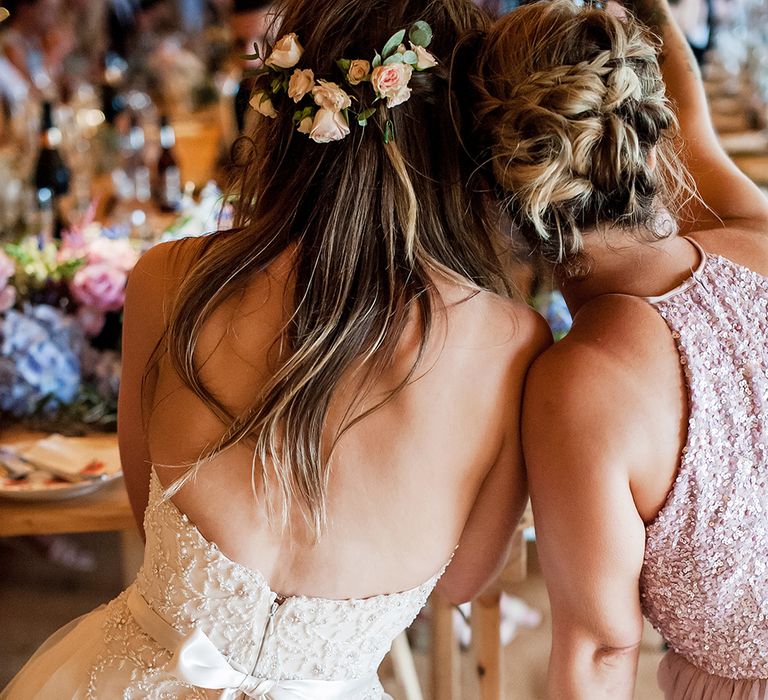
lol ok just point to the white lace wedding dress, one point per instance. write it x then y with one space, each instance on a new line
195 624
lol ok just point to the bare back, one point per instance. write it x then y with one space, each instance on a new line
438 466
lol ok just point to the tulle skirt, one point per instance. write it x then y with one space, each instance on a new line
681 680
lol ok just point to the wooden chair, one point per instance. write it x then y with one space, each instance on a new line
486 619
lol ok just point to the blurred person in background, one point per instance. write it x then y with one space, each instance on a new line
35 42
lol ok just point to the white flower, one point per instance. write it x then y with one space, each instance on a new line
329 126
358 71
286 52
305 125
330 96
262 103
301 84
391 82
425 59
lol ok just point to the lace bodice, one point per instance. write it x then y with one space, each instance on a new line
190 585
704 582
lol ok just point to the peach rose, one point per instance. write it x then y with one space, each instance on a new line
425 59
301 84
330 96
262 103
358 70
286 52
391 82
305 125
329 126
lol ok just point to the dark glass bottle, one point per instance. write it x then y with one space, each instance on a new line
52 175
168 173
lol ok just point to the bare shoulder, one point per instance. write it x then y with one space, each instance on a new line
600 387
507 328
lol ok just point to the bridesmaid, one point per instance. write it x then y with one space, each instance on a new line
645 431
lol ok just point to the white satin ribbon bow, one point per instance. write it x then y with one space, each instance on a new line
197 661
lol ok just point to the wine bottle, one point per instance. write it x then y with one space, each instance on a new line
52 175
168 172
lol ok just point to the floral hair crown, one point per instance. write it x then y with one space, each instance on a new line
326 118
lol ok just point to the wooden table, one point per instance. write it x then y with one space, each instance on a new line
105 510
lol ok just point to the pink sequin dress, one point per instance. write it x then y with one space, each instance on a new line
704 582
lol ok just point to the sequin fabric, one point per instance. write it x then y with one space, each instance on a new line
190 583
704 582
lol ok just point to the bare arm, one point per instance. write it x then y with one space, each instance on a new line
143 326
589 535
729 195
487 535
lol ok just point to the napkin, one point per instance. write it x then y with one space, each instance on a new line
93 454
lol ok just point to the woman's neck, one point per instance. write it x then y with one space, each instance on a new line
621 264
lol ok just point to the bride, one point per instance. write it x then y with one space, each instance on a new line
319 411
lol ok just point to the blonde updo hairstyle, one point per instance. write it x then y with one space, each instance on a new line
570 102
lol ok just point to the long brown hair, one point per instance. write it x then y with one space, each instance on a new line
371 222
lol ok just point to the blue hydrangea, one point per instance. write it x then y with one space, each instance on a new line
39 360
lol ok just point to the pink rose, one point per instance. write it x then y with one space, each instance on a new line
301 84
91 320
286 53
329 126
391 82
100 286
330 96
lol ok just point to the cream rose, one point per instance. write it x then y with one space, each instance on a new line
305 125
286 52
263 104
358 70
391 82
425 59
300 84
330 96
329 126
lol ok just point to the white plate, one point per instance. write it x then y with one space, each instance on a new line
51 489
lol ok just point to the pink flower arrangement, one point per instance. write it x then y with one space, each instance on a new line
99 285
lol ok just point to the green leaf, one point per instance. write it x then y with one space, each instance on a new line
344 64
389 131
376 61
255 56
410 57
394 41
394 58
420 34
367 113
277 86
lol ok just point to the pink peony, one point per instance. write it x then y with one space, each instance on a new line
391 82
100 286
